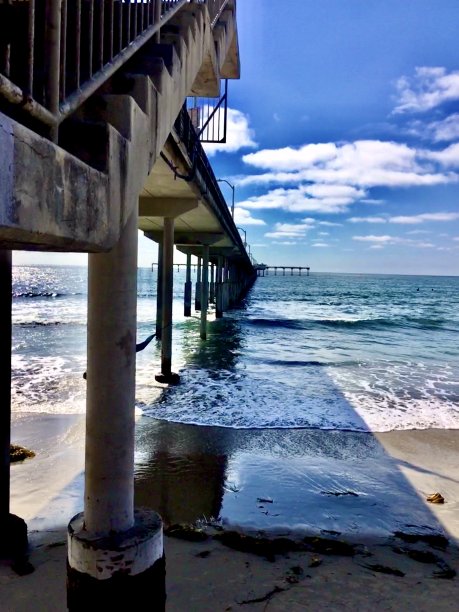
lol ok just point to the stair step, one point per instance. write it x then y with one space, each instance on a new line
74 136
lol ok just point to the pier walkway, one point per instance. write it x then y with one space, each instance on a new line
96 143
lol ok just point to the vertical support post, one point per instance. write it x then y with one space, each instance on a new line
167 376
225 300
219 289
204 291
53 50
5 383
188 287
159 293
212 284
109 536
197 295
13 530
112 326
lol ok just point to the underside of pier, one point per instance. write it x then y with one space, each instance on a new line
96 143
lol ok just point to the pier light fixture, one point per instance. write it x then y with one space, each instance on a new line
241 229
232 188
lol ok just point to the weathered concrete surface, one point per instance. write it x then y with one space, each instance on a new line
47 196
52 200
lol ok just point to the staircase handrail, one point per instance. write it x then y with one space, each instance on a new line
133 23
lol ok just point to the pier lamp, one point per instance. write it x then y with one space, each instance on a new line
232 188
245 234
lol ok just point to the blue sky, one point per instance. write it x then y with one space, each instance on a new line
344 135
349 113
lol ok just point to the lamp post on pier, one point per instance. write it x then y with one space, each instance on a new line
232 188
245 235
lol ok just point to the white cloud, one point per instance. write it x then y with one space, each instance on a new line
428 88
297 200
385 240
330 224
447 157
456 238
239 134
289 230
444 130
367 220
376 239
243 216
324 233
357 166
416 219
320 244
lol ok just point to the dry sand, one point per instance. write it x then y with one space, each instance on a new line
208 576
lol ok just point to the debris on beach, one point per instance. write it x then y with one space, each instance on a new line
315 561
262 547
435 540
445 571
340 493
327 546
436 498
423 556
186 532
19 453
384 569
264 500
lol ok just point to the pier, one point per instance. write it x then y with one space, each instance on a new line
263 269
97 141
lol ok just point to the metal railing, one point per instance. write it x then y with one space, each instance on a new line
201 165
209 116
55 53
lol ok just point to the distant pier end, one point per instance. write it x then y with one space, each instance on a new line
263 269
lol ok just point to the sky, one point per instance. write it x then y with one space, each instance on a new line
343 135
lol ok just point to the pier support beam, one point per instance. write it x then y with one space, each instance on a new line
115 556
197 295
167 376
204 291
159 293
219 289
13 530
188 287
212 284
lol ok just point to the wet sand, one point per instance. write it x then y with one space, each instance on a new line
283 482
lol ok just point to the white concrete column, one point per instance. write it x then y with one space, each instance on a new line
204 291
212 284
188 287
112 310
115 555
168 294
197 295
219 289
159 293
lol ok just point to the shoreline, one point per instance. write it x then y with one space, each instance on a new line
199 469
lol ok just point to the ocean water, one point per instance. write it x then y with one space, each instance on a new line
328 351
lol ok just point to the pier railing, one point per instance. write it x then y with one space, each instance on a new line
187 134
54 54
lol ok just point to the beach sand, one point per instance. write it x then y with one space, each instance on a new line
284 482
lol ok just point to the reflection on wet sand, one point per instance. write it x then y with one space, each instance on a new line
281 480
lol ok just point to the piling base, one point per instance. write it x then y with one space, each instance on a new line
168 379
121 571
13 537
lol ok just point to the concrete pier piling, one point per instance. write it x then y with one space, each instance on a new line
219 289
188 288
197 295
166 375
115 556
212 284
204 291
159 293
13 530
